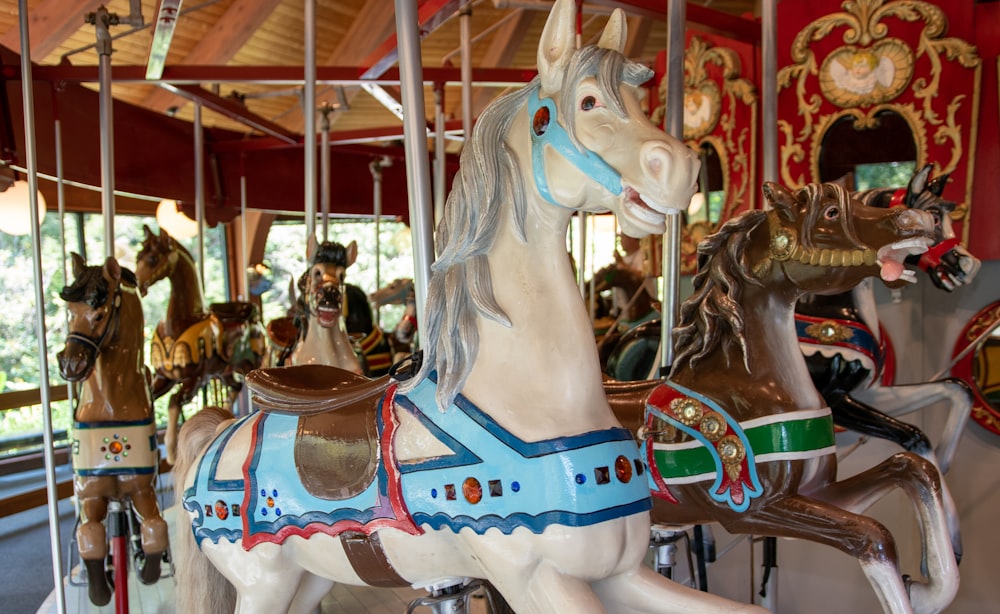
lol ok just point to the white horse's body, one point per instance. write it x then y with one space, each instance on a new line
526 358
326 345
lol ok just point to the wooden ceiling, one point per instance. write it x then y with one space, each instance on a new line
226 45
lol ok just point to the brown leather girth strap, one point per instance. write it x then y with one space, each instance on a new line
369 561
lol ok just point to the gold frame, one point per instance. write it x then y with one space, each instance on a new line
930 112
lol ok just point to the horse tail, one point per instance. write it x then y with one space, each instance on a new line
200 586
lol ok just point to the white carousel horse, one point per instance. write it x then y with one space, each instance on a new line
323 338
399 292
500 459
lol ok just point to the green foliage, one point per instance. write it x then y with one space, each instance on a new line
883 175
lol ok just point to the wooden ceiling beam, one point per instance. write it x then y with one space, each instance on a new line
50 23
506 41
229 35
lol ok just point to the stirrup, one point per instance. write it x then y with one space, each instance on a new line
449 596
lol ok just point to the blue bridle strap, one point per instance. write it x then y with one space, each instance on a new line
556 137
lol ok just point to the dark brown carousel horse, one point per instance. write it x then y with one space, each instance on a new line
114 435
639 305
739 435
192 346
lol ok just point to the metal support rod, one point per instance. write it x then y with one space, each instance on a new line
376 167
61 200
676 22
769 85
245 249
324 169
465 21
199 190
584 217
440 154
415 146
48 453
309 115
102 20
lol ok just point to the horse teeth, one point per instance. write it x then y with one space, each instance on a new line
870 258
825 257
857 258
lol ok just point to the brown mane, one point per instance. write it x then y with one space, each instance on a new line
712 315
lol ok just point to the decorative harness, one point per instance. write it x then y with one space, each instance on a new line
546 130
491 480
721 449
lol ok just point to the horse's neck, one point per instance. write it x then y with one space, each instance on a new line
186 305
857 305
778 379
541 377
118 388
326 346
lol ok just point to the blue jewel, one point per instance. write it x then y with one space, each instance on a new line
580 478
515 486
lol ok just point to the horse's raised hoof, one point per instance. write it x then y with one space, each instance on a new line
148 566
98 588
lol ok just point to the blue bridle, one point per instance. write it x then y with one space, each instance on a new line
553 134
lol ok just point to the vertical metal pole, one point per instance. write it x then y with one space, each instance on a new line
415 145
244 236
376 170
465 21
309 113
583 217
61 199
199 190
676 21
440 156
324 170
27 91
769 128
102 20
769 83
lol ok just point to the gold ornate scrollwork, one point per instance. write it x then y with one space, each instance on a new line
873 72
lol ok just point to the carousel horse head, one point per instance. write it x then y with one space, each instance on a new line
396 292
948 263
820 230
321 287
157 258
94 300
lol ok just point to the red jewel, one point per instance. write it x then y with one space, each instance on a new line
221 510
472 490
623 469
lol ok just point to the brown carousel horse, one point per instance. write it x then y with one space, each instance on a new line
739 435
192 346
114 434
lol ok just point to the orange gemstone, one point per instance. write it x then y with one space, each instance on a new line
115 447
472 490
623 469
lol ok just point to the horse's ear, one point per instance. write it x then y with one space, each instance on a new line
615 33
112 270
148 234
164 239
79 264
936 186
918 183
352 252
780 200
556 45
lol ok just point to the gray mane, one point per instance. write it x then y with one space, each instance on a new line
489 179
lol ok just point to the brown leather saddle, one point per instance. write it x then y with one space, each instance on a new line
337 441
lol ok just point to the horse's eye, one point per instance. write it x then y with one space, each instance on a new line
99 317
540 123
588 103
831 213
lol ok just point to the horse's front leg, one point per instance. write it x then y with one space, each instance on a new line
92 541
174 413
900 400
152 527
922 483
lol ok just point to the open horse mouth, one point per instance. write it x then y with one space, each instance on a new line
891 258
